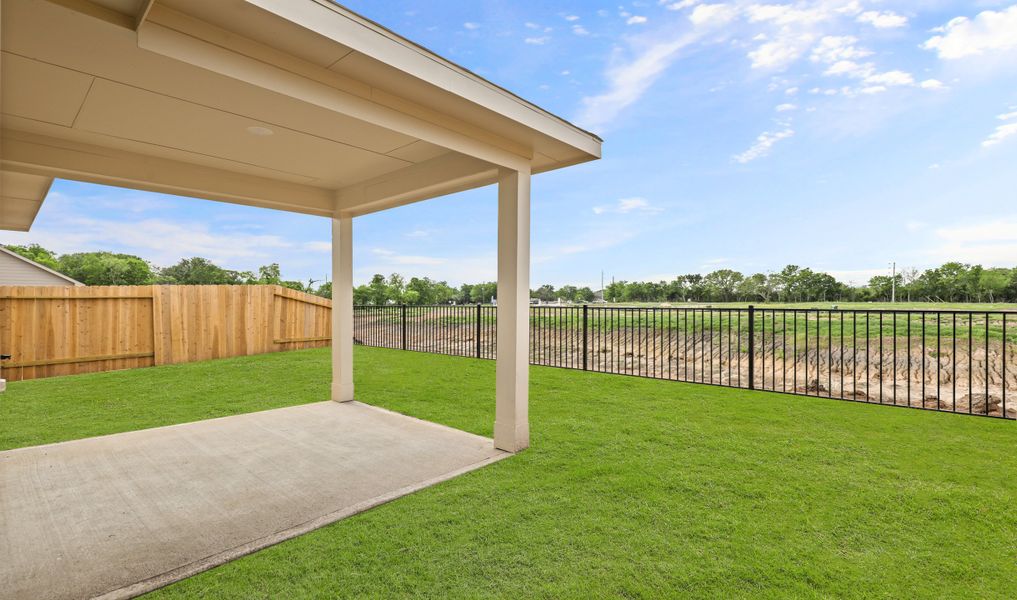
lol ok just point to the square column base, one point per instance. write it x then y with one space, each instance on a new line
342 392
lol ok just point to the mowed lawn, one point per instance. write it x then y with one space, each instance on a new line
633 487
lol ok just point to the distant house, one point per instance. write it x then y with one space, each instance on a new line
18 270
598 297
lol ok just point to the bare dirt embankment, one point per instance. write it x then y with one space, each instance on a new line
939 379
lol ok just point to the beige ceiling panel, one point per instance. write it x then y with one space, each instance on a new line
122 111
418 151
21 185
127 7
40 91
252 22
88 137
21 197
393 81
18 211
53 34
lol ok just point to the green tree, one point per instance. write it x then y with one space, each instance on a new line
270 274
544 293
198 271
106 268
722 285
994 283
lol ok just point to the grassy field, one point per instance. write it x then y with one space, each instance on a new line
633 487
827 320
902 305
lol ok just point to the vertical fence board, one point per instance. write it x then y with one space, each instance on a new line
51 331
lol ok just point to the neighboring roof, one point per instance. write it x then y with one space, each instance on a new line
40 267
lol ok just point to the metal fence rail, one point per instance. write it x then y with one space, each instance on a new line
953 361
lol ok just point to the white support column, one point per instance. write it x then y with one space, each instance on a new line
342 308
511 424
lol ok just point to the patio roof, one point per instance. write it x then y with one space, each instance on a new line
298 105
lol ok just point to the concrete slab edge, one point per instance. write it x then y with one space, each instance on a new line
221 558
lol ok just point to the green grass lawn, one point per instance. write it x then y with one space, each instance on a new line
633 487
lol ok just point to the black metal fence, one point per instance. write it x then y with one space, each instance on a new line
954 361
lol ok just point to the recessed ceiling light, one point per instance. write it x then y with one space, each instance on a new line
258 130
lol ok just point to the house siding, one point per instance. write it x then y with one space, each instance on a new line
18 272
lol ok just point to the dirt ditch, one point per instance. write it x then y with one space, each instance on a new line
938 379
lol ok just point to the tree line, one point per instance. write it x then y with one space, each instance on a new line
951 282
396 289
111 268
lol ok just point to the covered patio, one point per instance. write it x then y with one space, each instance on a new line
295 105
123 514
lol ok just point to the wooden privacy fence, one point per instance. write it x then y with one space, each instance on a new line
51 331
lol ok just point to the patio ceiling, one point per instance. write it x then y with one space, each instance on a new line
302 106
298 105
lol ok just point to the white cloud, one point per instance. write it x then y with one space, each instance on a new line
537 41
779 53
636 20
320 246
791 91
628 205
891 78
786 107
834 48
763 146
394 258
990 243
786 14
571 18
532 25
883 20
988 31
580 30
148 238
627 82
471 26
1003 131
932 84
681 4
712 14
419 233
457 270
850 68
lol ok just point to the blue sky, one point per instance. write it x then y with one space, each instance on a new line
835 134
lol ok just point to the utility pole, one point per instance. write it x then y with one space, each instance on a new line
893 282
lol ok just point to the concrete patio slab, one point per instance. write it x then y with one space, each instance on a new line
119 515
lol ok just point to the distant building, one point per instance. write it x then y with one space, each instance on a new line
18 270
598 297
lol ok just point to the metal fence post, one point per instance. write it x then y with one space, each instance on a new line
586 330
752 347
404 326
479 312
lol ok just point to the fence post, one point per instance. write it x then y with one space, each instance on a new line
752 347
476 334
404 326
585 330
478 329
